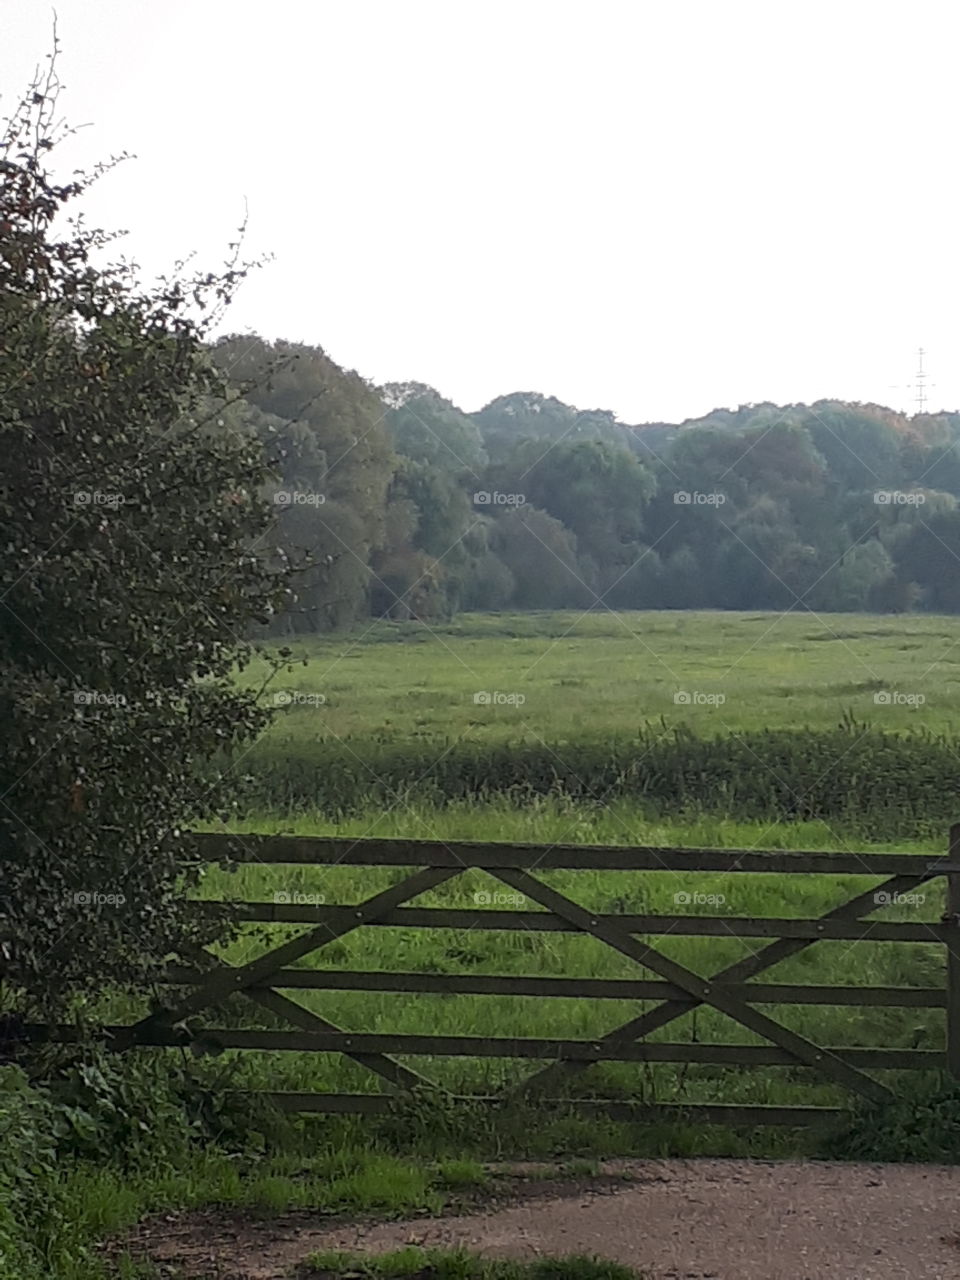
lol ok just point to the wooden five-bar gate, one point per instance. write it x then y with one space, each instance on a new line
676 989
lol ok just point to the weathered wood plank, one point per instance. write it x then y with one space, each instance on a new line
584 1051
545 922
395 1074
952 927
575 988
381 1064
282 1006
702 1113
332 850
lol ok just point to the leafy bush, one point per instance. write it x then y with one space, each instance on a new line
141 1110
126 1110
32 1227
131 522
222 1114
131 1117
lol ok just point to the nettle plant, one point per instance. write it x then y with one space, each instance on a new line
136 556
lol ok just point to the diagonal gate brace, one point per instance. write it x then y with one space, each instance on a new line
380 1063
706 990
228 980
740 971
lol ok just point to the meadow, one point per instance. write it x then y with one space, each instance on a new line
770 717
404 693
603 674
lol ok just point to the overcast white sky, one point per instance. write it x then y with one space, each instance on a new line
656 207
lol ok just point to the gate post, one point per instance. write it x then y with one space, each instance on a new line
952 920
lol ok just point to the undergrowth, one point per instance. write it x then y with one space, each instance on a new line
886 784
62 1189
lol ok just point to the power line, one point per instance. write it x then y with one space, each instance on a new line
921 385
921 382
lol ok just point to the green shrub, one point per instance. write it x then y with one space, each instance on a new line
34 1238
122 1109
140 1110
101 1118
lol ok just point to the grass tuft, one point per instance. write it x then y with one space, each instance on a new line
456 1264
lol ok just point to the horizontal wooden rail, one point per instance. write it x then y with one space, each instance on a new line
462 919
760 1055
336 851
731 1114
575 988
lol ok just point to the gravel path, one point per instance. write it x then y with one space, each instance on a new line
669 1219
726 1220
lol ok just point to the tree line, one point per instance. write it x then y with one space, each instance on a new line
395 503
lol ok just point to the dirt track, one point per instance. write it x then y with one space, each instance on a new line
673 1219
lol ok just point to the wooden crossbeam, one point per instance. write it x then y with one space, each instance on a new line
380 1063
483 984
227 980
493 919
803 1050
343 851
356 1043
740 971
731 1114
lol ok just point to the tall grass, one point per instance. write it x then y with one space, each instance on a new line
888 784
848 718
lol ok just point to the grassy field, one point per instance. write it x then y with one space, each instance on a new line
607 674
847 719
